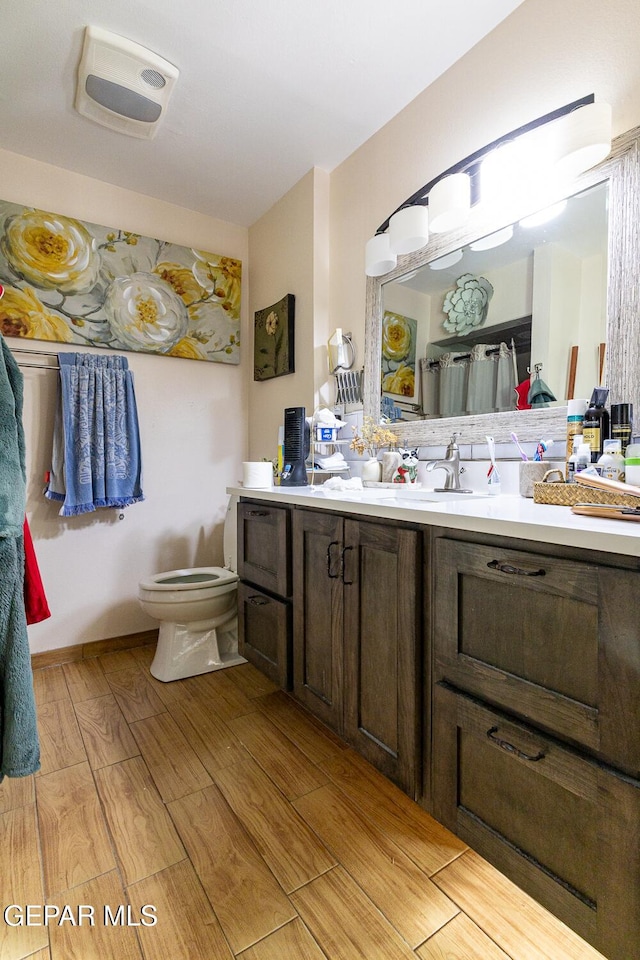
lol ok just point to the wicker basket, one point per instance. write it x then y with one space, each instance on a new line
566 494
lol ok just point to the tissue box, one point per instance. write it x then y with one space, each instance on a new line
326 434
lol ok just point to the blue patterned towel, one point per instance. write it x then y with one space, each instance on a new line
96 442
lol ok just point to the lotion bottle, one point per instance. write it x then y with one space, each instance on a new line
573 459
632 462
583 459
611 463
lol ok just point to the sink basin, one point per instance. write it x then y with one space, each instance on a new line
406 492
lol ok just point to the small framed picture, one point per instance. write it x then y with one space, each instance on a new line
273 345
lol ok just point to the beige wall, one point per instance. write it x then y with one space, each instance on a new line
193 422
289 254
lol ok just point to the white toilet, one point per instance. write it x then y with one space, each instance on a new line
198 613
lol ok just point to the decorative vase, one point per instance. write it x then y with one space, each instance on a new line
372 470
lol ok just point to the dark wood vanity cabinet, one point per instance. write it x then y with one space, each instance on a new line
264 591
536 725
357 619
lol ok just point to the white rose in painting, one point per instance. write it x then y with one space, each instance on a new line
145 313
52 252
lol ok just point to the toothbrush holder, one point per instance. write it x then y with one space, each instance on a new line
531 471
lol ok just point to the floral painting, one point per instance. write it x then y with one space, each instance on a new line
273 350
398 354
74 282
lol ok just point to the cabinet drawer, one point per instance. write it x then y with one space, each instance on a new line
263 546
551 640
264 626
562 827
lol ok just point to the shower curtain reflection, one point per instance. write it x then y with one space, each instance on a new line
480 381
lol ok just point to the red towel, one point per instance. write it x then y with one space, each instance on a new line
522 393
35 601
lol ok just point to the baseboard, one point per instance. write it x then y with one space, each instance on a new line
84 651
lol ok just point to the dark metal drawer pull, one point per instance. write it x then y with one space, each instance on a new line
509 747
258 513
346 582
332 576
258 601
509 568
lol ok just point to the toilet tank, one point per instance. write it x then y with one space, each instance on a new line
230 538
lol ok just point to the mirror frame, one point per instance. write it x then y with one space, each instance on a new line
622 366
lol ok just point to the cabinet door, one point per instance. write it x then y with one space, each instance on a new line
382 606
552 640
317 621
264 633
564 828
263 546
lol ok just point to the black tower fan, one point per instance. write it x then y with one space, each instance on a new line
296 448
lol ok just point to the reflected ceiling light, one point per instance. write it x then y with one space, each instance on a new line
544 216
584 139
493 240
447 261
407 277
450 202
409 229
379 258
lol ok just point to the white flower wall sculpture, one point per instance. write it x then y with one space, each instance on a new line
467 306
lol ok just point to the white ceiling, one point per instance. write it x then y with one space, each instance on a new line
268 89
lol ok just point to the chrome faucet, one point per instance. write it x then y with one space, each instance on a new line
451 466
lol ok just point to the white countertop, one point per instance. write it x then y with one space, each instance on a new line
506 515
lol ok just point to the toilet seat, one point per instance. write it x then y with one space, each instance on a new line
195 578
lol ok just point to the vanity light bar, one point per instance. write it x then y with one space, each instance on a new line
580 138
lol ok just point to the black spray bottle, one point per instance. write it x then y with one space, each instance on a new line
595 428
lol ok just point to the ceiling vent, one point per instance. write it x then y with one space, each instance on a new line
122 85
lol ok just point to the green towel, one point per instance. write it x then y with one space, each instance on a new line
12 465
19 748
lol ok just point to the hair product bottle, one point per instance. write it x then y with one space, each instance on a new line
576 410
622 424
595 427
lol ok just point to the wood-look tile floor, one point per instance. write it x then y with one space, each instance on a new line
250 828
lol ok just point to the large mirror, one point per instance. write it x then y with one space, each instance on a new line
589 253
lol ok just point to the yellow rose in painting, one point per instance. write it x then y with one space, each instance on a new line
22 315
182 280
396 337
188 349
51 251
222 277
145 313
401 381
